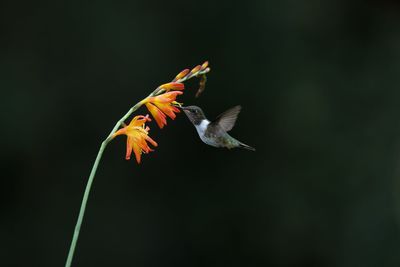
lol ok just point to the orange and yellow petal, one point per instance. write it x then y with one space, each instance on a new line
138 144
138 153
151 141
167 109
139 121
157 115
129 145
143 144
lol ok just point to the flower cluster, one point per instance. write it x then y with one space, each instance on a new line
161 104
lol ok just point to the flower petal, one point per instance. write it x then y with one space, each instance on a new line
139 120
168 109
151 141
138 152
157 115
128 148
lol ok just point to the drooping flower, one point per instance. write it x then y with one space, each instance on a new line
163 105
137 137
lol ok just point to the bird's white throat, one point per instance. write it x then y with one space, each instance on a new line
202 127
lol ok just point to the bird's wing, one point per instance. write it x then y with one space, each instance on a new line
227 119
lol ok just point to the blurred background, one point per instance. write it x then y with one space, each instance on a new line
319 85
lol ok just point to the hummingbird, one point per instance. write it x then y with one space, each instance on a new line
215 133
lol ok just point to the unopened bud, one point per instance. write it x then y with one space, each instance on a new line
205 65
181 74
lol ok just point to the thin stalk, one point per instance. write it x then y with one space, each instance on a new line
90 181
83 204
97 161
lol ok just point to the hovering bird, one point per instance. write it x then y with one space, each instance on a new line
214 133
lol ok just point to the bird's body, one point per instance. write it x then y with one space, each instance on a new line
214 133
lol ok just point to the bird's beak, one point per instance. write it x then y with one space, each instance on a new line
185 110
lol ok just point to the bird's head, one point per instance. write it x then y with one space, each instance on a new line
194 113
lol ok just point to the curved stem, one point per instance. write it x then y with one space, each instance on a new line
89 184
83 205
96 164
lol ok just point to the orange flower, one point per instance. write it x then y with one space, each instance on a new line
137 137
161 105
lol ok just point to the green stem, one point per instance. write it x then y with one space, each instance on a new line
90 181
83 205
96 164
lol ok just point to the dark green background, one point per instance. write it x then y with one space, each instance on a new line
319 85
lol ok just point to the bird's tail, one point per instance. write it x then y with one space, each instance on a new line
246 147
